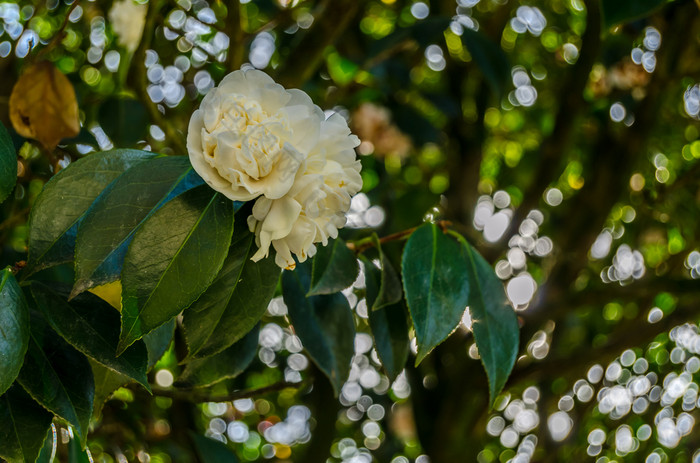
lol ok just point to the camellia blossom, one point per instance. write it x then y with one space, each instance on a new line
253 139
128 19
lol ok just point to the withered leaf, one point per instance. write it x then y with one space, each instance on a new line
43 105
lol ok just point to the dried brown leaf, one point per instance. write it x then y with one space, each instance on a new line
43 105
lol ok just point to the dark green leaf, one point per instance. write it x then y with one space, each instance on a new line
76 454
124 120
109 225
58 210
389 283
8 164
92 326
212 451
106 382
158 341
235 301
324 324
434 279
494 322
49 448
388 324
490 58
14 329
24 426
228 363
172 259
616 12
49 376
334 268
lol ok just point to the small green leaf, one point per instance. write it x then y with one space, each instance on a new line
172 259
227 364
324 324
76 454
616 12
58 210
235 301
24 426
106 382
49 447
124 120
158 341
8 164
14 329
334 268
388 324
494 322
92 326
109 224
490 58
435 282
212 451
389 283
58 376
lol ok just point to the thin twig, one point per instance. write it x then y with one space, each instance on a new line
366 243
193 395
59 35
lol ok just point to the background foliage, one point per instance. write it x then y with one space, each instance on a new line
560 138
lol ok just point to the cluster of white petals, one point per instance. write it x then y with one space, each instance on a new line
253 139
128 19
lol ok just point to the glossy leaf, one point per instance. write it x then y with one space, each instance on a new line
388 324
106 382
434 279
494 322
111 222
334 268
158 341
24 426
389 291
490 58
49 376
59 209
212 451
172 259
76 454
324 324
124 120
235 301
227 364
8 164
92 326
14 329
616 12
49 447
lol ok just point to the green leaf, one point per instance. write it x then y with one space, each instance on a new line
58 210
58 376
158 341
24 426
76 454
91 325
324 324
424 32
48 450
616 12
434 279
227 364
235 301
212 451
490 58
8 164
389 284
172 259
388 324
494 322
109 225
106 382
334 268
124 120
14 329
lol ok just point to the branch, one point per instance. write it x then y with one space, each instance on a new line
193 395
362 245
61 31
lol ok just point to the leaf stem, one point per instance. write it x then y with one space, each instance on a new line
199 397
359 246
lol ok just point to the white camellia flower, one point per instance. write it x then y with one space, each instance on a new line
251 138
128 19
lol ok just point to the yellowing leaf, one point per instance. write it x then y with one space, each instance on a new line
43 105
110 293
